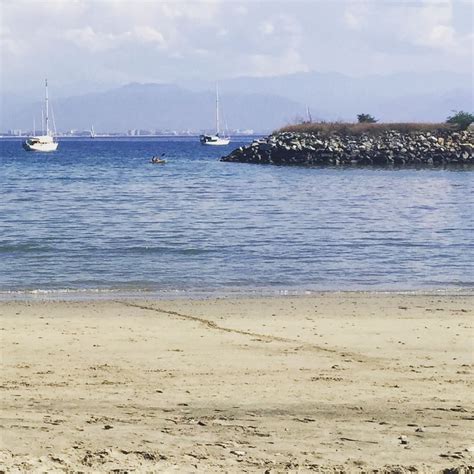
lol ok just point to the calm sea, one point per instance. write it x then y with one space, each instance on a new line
96 216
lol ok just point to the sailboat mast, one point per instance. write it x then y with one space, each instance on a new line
47 107
217 109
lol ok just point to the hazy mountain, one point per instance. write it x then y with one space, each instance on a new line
310 84
424 107
159 106
262 104
425 97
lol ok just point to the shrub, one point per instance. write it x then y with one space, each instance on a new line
461 119
366 118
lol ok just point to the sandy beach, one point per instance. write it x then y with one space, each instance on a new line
346 382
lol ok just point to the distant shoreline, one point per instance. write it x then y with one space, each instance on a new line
133 137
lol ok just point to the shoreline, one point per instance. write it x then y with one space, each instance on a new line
109 294
333 382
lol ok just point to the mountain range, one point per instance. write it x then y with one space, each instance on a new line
262 104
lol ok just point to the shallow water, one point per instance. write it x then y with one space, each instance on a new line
96 215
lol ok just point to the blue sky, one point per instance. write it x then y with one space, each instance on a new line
111 42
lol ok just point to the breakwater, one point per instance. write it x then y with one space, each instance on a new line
389 148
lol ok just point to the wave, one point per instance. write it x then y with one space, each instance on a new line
27 248
162 250
89 294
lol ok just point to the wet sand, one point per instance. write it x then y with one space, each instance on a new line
331 382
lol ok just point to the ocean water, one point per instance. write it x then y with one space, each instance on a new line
96 216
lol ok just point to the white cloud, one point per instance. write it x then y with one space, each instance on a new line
428 23
266 28
147 34
440 36
287 62
95 41
356 15
172 40
91 40
433 27
8 45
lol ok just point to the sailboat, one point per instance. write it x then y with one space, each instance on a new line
42 142
92 132
216 139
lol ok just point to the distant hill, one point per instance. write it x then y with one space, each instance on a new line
395 97
158 106
262 104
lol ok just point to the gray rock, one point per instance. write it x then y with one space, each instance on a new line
389 148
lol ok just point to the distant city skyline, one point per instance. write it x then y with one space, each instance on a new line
92 45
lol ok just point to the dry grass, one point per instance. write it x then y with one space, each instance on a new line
327 128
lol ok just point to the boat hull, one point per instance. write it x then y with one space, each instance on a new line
40 145
213 140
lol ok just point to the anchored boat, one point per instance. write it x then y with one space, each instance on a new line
42 142
215 139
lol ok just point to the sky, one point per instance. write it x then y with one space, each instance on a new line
102 43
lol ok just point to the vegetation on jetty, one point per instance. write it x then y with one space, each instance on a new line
368 128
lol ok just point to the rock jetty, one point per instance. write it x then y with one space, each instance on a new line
389 148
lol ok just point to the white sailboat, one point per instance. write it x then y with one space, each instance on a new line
42 142
215 140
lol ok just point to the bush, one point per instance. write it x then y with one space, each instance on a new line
461 119
366 118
